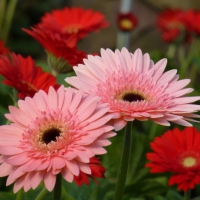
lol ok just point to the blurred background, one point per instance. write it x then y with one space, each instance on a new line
145 36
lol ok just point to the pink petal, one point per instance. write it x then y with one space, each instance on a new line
67 175
5 169
19 183
49 181
85 168
119 124
73 167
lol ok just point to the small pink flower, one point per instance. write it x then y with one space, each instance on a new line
136 88
52 133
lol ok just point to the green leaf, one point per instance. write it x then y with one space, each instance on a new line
173 195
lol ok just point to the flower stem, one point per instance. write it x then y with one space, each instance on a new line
185 61
121 180
123 38
9 17
187 195
20 195
171 51
42 194
58 188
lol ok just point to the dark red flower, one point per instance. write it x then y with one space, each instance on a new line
126 21
23 74
177 152
3 49
58 45
172 26
192 21
97 171
74 20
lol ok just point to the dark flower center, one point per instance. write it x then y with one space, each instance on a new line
50 135
130 97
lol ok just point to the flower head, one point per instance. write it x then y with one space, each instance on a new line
97 171
177 152
60 46
23 74
136 88
192 22
171 23
51 133
126 21
74 20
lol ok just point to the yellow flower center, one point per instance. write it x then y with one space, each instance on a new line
126 24
189 161
72 28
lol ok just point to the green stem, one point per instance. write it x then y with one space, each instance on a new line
8 17
20 195
2 13
171 51
185 61
126 152
123 40
58 188
187 195
42 194
193 75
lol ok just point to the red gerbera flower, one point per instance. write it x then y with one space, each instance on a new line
172 26
192 21
23 74
74 20
126 21
97 171
177 152
3 49
58 45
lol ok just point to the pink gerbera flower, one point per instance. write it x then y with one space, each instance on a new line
136 88
53 133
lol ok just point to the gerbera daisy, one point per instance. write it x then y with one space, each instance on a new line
74 20
50 134
172 26
3 49
136 88
97 171
23 74
177 152
126 21
192 21
57 46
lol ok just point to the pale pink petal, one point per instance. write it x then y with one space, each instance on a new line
67 175
159 68
12 150
85 168
119 124
27 183
5 169
49 181
73 167
36 178
18 184
52 98
58 163
18 159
